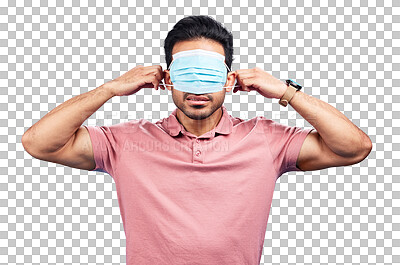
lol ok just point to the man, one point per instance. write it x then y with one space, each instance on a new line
196 187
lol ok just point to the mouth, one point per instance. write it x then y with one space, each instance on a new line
197 100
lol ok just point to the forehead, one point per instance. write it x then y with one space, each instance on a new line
204 44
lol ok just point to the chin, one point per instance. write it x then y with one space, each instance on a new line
198 116
199 112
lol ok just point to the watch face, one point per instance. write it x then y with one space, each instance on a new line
293 84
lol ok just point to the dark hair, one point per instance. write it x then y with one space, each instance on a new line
195 28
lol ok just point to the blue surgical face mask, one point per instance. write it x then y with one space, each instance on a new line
198 71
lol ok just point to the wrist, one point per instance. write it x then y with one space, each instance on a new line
282 90
295 96
107 89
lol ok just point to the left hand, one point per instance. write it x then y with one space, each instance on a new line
261 81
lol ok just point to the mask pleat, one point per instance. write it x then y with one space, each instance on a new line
199 71
198 62
202 82
196 77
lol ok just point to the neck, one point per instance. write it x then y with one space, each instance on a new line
199 127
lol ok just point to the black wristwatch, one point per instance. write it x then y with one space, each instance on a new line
293 84
292 88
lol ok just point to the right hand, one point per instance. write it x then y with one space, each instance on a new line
136 79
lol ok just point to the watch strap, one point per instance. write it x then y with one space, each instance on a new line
285 99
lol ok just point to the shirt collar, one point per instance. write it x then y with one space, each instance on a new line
173 126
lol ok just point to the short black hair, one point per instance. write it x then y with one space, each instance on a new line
195 28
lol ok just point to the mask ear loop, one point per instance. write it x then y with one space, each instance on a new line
229 71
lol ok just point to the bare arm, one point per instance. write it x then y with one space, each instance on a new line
58 128
337 141
59 137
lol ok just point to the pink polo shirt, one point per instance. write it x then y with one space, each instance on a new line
195 200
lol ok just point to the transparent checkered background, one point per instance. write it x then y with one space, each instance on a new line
345 53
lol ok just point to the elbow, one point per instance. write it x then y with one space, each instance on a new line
25 143
368 146
26 138
365 150
28 146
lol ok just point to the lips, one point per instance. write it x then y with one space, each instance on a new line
197 98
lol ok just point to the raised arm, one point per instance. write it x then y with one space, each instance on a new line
59 136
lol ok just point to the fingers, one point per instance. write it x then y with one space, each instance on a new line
242 87
155 83
242 76
159 72
238 82
157 75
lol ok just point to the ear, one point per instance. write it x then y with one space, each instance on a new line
230 81
167 79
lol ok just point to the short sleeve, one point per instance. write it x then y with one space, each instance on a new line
103 144
285 143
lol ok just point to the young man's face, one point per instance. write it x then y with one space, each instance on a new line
193 111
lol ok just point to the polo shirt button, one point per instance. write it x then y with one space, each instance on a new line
197 141
198 153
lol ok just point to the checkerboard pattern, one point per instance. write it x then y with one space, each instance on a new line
346 53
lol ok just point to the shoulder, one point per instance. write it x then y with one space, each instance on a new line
273 129
260 121
258 124
271 125
249 122
120 128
